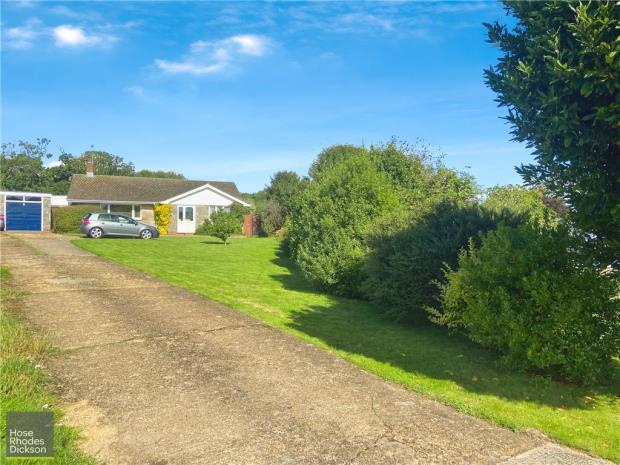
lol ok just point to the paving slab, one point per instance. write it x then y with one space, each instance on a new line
156 375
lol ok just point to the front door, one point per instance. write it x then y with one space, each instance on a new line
186 220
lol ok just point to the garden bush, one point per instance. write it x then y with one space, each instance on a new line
163 217
328 231
528 293
355 192
221 224
531 203
68 219
405 266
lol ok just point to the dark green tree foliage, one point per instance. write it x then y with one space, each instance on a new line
559 77
26 167
158 174
104 163
327 235
22 166
531 203
405 267
357 193
239 211
221 224
527 293
281 197
332 156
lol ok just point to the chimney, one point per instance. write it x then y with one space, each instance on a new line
90 170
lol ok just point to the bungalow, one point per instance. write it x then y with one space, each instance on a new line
192 201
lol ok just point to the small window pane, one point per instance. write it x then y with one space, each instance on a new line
114 218
33 199
121 209
180 213
136 211
105 217
189 213
125 220
15 197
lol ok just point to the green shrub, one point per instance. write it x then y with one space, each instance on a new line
531 203
528 293
328 231
221 224
405 266
68 219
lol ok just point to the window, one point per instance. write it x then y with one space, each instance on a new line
33 199
132 211
125 220
15 197
217 208
121 209
104 217
189 213
180 214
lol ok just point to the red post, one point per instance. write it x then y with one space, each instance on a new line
248 225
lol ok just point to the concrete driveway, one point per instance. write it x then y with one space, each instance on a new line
157 375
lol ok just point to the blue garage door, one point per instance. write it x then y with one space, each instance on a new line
23 216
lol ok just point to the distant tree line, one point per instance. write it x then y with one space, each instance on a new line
26 166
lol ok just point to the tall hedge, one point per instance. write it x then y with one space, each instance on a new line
528 293
405 267
329 230
68 219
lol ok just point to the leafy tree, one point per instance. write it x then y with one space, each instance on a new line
280 199
328 232
559 78
533 204
285 187
158 174
105 163
356 194
239 211
331 156
420 177
23 165
221 224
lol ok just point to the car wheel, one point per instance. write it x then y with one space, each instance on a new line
95 233
146 234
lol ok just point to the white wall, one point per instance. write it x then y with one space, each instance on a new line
59 201
204 197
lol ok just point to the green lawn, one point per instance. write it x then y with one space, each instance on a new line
251 276
23 382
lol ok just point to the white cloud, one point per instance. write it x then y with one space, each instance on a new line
74 36
24 3
367 19
211 57
22 37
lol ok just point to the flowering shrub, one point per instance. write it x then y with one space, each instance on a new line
163 216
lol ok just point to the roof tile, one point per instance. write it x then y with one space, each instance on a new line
137 189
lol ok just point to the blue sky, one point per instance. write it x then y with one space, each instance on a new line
237 91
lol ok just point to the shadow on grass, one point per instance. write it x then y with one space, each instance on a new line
212 242
358 327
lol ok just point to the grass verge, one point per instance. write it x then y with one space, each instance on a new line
23 382
250 276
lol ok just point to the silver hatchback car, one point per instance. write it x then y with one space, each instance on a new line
97 225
